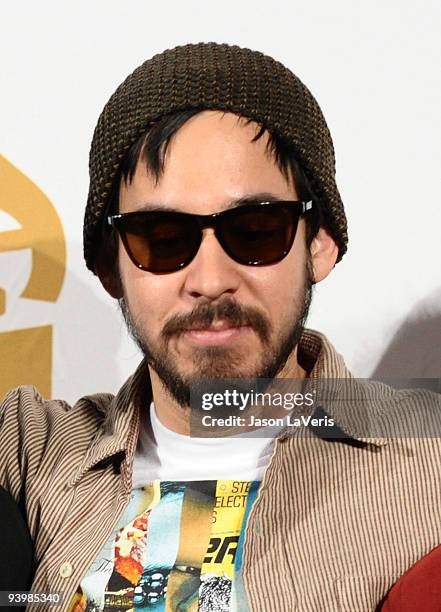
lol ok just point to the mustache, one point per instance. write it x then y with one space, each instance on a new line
203 315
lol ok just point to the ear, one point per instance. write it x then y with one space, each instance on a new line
106 268
324 253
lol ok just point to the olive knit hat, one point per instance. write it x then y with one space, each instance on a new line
221 77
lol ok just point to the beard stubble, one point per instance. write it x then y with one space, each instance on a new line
217 362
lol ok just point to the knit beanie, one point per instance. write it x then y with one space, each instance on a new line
218 77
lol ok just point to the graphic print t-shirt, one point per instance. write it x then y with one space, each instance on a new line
179 543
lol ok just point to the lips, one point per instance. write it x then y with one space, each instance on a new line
216 326
218 333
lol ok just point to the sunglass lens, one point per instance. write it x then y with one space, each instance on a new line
162 243
258 235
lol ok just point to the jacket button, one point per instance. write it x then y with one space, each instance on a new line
66 570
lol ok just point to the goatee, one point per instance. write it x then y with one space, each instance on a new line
218 362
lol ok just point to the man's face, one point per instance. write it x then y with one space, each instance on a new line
215 317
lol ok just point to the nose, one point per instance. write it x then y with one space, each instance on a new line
212 273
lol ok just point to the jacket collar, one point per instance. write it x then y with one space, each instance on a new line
115 441
334 382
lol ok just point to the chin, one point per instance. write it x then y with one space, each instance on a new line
218 370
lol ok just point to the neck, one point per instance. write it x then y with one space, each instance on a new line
177 418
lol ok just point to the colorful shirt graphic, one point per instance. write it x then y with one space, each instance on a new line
177 546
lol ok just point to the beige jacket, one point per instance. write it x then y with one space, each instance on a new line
336 522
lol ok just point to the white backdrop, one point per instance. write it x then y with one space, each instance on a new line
374 69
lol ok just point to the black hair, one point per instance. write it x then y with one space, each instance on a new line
151 148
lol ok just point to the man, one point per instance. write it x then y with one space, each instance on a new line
212 211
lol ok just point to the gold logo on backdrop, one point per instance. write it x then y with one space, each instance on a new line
26 354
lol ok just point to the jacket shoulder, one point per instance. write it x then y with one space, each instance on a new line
29 424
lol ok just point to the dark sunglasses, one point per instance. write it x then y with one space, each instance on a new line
254 234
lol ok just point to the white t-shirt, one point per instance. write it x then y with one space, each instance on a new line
163 454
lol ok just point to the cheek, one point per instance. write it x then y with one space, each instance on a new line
148 296
279 292
278 286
